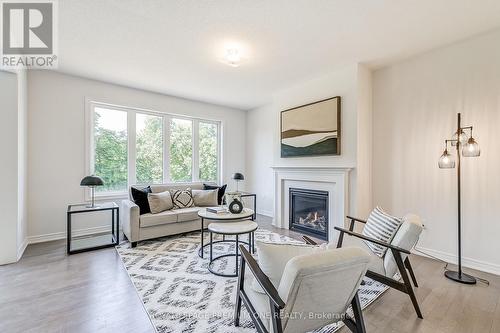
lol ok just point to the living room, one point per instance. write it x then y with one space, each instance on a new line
211 166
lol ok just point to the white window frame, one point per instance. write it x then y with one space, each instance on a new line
131 137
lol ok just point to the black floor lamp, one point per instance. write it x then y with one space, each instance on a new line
464 141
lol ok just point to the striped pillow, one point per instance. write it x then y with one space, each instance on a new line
380 226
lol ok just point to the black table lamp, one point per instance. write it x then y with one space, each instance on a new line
92 182
238 177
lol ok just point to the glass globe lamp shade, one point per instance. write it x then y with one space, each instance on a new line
471 149
446 161
462 138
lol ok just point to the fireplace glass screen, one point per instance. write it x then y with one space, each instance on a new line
309 212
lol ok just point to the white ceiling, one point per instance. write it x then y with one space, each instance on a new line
174 46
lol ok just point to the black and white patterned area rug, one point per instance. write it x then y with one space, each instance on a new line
181 295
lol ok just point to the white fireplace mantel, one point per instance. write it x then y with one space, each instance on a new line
335 180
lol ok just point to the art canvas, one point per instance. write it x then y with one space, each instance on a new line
311 129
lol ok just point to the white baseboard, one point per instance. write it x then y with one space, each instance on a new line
466 262
21 248
62 235
265 213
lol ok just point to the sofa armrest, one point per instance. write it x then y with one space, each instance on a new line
130 220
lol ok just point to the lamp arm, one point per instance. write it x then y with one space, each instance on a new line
467 128
449 140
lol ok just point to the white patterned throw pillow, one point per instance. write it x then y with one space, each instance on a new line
381 226
182 198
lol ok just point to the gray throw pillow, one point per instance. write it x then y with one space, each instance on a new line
159 202
205 198
182 198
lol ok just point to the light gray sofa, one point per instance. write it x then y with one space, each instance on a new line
171 222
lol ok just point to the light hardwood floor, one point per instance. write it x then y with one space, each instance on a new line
47 291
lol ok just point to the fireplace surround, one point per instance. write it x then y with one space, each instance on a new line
334 180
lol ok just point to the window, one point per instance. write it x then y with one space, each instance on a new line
110 149
132 146
181 150
149 149
208 150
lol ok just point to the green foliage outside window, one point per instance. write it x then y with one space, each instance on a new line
181 150
208 151
111 149
149 150
110 156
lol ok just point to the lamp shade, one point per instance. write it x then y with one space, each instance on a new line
462 138
446 161
471 149
238 176
92 181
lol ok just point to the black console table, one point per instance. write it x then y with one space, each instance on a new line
95 241
248 194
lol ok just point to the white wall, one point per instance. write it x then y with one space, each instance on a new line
415 106
8 167
57 145
260 133
364 140
13 235
22 163
263 144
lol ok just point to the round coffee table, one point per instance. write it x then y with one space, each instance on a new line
231 229
246 214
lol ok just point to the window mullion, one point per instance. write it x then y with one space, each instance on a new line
219 154
166 149
131 134
196 147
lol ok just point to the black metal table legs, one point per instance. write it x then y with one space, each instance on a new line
236 255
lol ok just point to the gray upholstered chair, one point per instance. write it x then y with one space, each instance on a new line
315 290
383 269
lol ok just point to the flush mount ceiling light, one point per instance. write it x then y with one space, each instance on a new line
233 57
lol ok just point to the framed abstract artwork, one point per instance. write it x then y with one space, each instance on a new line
312 129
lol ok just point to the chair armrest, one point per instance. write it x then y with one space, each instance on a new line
261 278
309 241
369 239
355 219
129 214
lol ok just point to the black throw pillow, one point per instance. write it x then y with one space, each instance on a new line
141 199
220 193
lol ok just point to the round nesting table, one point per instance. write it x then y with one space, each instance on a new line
246 214
231 229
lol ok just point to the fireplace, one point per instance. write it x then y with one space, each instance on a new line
309 212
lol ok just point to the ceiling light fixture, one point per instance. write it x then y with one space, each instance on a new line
233 57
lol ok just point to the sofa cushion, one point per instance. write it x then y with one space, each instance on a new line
259 300
159 202
182 198
205 198
376 263
221 191
406 237
187 214
273 258
140 198
151 220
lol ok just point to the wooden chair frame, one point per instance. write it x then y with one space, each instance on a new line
403 265
356 324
